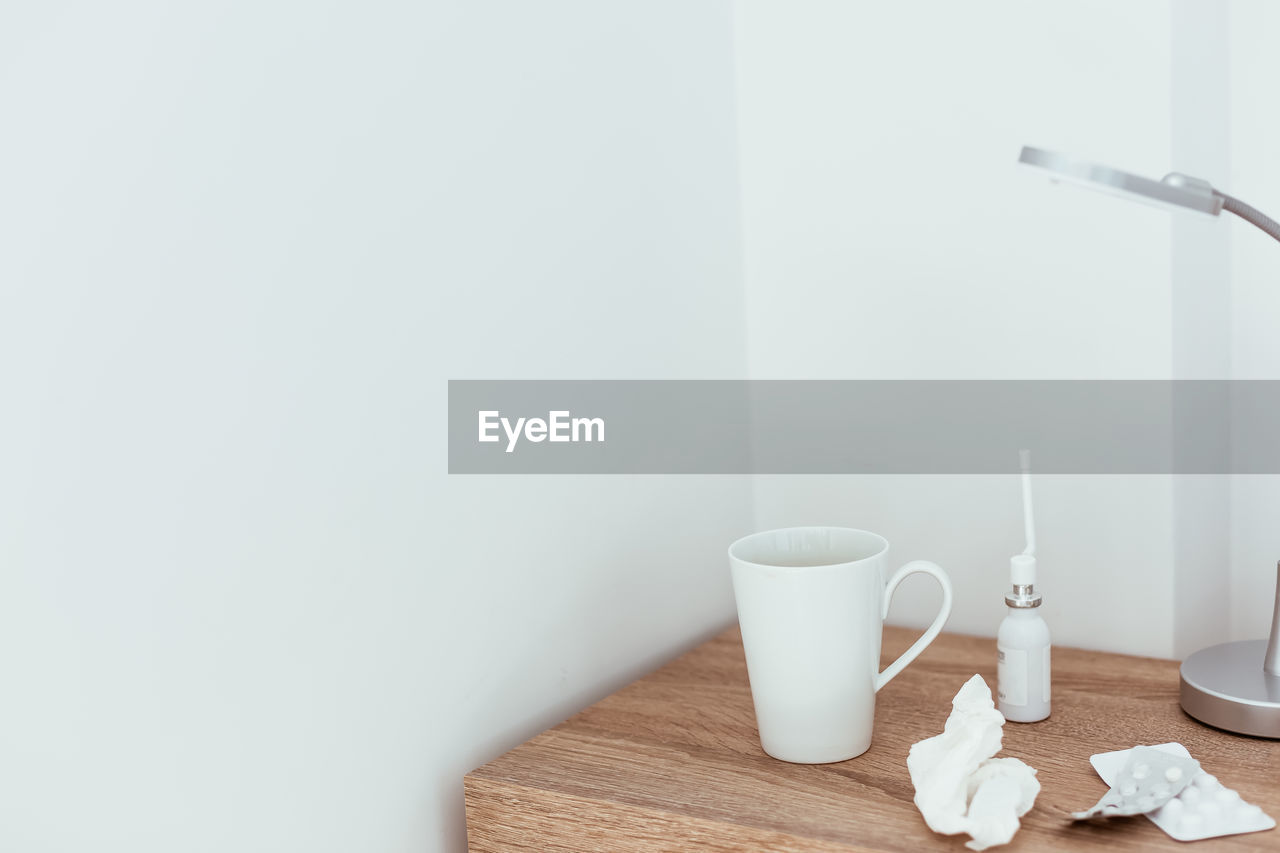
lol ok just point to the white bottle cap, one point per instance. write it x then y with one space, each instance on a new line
1022 569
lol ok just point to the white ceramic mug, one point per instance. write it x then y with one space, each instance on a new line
811 604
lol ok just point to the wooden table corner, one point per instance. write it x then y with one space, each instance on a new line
672 762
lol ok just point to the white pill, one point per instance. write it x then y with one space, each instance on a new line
1141 771
1128 789
1146 802
1190 795
1208 781
1161 790
1171 810
1173 774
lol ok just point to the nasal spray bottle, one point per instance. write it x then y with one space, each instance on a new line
1023 638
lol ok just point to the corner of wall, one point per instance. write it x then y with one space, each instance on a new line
1201 312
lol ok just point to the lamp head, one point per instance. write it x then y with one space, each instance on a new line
1173 191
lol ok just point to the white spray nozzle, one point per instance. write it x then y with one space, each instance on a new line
1022 570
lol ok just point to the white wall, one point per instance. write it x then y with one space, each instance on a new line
1200 301
1255 295
889 234
244 247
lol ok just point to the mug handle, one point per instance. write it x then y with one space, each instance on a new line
923 567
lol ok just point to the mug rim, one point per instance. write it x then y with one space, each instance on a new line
883 549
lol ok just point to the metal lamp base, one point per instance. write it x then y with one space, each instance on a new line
1226 687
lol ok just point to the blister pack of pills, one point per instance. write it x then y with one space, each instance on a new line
1202 809
1149 779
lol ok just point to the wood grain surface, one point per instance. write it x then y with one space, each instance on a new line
673 762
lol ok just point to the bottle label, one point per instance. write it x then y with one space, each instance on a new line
1046 673
1011 675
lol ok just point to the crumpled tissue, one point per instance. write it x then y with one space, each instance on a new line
960 785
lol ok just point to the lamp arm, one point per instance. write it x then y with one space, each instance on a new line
1250 214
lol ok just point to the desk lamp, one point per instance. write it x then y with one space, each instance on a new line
1233 686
